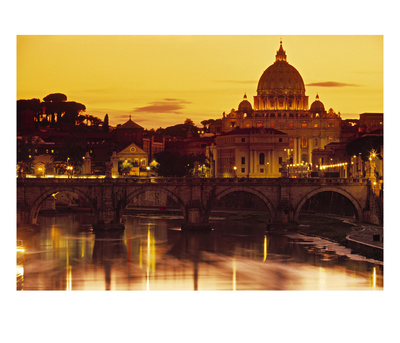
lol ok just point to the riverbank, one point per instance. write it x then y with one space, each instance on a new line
363 239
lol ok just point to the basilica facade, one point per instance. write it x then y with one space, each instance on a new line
281 105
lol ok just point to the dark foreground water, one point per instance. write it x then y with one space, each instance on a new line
154 254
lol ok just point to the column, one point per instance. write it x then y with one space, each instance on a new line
255 162
310 140
294 150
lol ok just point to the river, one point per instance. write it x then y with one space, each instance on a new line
154 254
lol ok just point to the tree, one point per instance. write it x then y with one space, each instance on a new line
364 145
71 154
106 127
96 121
72 111
54 104
170 164
28 115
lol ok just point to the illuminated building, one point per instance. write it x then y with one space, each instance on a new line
250 152
281 103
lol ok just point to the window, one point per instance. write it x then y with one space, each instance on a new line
304 142
262 159
280 160
304 124
243 160
316 125
243 170
262 170
243 140
280 140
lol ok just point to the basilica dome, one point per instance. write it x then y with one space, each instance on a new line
317 106
245 105
281 78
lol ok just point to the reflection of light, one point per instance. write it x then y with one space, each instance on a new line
69 271
20 270
374 277
265 248
234 273
69 278
148 261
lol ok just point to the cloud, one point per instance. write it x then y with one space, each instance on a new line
167 105
332 84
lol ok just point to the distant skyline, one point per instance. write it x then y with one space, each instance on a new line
162 80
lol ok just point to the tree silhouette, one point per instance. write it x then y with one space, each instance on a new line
105 124
72 111
54 104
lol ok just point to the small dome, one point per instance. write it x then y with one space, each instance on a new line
245 105
317 106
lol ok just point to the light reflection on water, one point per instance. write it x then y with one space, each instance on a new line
154 254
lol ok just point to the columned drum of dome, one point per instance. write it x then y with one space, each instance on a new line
281 87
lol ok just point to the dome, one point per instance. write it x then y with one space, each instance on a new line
245 105
281 78
317 106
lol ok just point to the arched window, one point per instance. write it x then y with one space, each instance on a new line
262 158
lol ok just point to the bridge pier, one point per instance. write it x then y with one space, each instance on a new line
195 217
284 213
109 213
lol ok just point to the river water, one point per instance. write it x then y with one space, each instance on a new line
154 254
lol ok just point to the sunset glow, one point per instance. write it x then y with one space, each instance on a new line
162 80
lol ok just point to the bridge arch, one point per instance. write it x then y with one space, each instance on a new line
227 191
38 202
136 192
356 204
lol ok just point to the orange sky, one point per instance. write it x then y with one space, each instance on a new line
162 80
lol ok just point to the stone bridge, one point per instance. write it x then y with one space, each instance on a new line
196 197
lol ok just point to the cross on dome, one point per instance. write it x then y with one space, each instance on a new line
281 54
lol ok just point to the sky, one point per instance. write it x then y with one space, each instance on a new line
160 80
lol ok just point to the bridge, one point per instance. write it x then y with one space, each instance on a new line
196 197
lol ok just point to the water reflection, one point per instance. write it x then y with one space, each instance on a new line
154 254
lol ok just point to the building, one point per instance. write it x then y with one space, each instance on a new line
370 122
249 152
127 133
281 103
135 158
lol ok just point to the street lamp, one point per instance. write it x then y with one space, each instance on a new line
148 170
234 171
